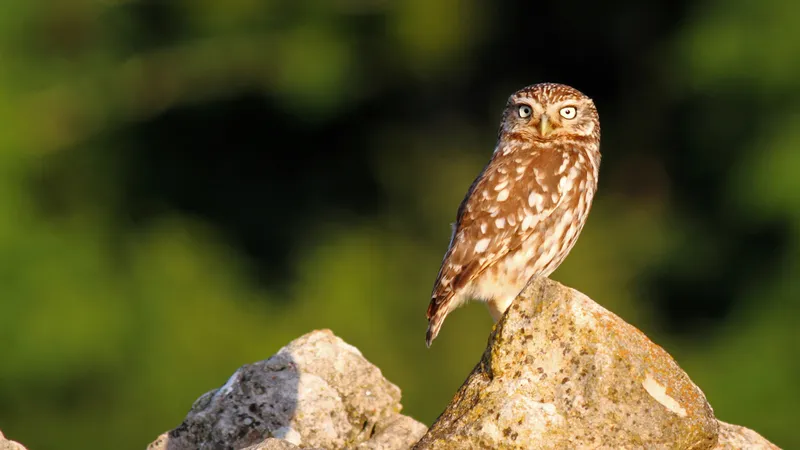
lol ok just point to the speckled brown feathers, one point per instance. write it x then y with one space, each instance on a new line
524 212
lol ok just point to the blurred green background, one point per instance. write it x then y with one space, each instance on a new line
188 185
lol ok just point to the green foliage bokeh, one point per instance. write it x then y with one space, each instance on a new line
110 332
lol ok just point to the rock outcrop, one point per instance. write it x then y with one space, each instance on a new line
562 372
317 392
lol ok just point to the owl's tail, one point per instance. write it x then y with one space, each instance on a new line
437 312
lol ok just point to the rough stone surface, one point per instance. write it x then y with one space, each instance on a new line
560 372
734 437
5 444
317 392
400 432
273 444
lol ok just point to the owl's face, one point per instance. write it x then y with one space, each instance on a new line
548 111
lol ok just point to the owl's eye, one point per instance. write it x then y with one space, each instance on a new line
568 112
525 111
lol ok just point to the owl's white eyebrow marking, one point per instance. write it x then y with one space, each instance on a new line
500 223
502 196
482 245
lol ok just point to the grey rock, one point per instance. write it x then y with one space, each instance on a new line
317 392
560 371
5 444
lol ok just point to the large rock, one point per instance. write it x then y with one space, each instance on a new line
317 392
5 444
562 372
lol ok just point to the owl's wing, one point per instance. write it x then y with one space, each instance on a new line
502 209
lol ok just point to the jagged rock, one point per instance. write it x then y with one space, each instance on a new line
5 444
560 371
734 437
317 392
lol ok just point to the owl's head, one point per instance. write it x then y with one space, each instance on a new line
548 111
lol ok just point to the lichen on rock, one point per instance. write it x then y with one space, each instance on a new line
560 371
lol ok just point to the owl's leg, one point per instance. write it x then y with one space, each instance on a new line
498 306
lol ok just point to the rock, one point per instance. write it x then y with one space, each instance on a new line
401 432
5 444
273 444
734 437
317 392
560 371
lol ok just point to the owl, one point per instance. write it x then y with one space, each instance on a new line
524 212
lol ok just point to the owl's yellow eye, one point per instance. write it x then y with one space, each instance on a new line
525 111
568 112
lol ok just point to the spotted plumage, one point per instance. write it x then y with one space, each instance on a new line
524 212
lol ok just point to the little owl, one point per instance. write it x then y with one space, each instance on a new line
524 212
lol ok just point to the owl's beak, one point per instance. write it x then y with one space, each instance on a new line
544 125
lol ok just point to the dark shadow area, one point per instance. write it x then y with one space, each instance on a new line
264 178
